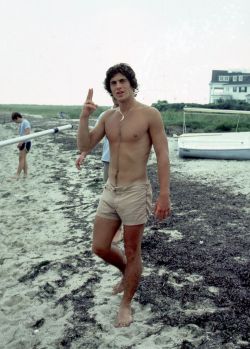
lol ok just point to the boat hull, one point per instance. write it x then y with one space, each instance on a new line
228 146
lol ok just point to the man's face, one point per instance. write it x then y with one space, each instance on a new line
120 87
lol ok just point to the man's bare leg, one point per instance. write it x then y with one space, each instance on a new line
130 265
104 231
118 235
119 287
132 273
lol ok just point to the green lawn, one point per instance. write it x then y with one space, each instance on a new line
171 118
207 122
50 111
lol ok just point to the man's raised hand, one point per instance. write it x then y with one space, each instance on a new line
89 106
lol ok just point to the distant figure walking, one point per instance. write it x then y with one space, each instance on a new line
25 146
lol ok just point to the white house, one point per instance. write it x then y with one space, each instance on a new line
229 85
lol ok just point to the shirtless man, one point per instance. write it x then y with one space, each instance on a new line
131 129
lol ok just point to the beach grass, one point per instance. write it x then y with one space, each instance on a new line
50 111
206 122
172 119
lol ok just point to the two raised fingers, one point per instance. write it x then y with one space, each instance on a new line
89 104
89 96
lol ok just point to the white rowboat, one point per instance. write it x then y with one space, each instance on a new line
229 146
223 145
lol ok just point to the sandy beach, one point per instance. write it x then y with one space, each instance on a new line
54 294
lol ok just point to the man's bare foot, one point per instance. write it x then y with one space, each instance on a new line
124 316
118 288
118 235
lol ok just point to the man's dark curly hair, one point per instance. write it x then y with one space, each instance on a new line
125 70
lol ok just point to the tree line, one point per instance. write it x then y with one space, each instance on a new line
234 104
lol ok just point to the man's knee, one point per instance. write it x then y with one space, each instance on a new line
132 242
100 251
132 253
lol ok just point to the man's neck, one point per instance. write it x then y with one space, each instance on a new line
125 106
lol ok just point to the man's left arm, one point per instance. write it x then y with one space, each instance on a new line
159 140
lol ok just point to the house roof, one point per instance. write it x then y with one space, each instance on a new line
217 73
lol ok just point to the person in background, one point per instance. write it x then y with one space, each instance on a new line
24 146
105 160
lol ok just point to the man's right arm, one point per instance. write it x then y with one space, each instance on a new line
83 134
86 139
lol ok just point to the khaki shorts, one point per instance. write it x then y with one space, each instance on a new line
130 204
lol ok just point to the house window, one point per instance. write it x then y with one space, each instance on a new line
235 78
235 89
240 77
223 78
243 89
218 90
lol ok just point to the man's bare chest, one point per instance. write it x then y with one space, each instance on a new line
127 130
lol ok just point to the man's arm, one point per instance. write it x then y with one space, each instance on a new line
81 158
160 144
86 139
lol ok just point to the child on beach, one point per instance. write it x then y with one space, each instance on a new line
25 146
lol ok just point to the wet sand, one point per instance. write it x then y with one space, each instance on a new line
55 294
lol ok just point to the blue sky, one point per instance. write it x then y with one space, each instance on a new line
52 51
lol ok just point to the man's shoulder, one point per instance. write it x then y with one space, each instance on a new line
109 113
151 111
105 112
103 116
146 107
